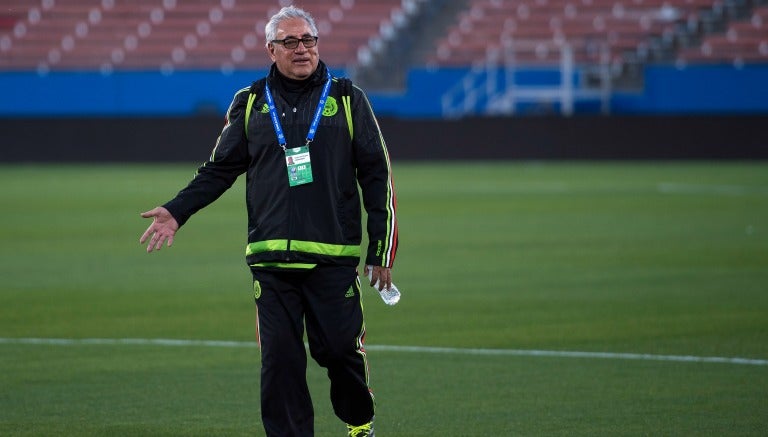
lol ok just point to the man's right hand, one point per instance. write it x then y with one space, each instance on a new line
162 229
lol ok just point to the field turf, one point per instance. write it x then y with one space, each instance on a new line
664 260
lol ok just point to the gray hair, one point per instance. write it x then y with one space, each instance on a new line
270 30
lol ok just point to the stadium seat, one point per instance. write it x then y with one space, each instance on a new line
744 41
596 30
171 34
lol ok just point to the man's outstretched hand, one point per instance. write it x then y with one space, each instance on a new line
162 229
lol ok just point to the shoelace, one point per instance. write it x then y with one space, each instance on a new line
362 430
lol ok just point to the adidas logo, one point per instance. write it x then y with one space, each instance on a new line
350 292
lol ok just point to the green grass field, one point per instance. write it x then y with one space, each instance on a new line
654 258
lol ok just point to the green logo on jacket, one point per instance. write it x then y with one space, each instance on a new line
331 107
256 289
329 110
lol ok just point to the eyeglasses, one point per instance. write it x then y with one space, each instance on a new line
291 43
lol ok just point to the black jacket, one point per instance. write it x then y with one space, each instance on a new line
319 222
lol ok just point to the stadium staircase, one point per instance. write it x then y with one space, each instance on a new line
408 45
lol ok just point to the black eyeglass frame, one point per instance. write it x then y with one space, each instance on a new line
291 43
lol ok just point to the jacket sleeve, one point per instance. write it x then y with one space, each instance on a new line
374 174
228 160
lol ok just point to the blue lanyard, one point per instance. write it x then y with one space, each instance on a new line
315 121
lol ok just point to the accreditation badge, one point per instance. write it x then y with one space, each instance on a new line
299 166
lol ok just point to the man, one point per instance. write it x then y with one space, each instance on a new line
305 141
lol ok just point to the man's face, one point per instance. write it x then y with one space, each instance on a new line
298 63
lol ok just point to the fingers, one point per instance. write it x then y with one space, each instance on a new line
157 240
154 212
161 231
146 235
382 275
386 279
370 272
151 229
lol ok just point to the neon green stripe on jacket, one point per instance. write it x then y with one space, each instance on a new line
302 246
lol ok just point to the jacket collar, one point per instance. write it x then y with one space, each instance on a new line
316 79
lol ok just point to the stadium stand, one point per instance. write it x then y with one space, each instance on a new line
111 35
377 42
595 30
604 39
744 41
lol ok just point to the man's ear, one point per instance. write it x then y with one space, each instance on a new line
271 51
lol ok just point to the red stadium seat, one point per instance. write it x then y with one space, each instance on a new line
743 41
173 34
589 27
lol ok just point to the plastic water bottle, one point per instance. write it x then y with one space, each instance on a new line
390 296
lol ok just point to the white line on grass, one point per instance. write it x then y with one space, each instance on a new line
716 190
390 348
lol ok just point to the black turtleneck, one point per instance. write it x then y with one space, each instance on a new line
292 89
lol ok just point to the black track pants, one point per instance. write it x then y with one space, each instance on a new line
327 300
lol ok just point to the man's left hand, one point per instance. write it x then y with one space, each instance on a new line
381 274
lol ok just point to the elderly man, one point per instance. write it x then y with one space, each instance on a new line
305 141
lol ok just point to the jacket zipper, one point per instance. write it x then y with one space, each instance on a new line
294 110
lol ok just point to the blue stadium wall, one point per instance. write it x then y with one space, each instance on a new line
668 90
700 112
